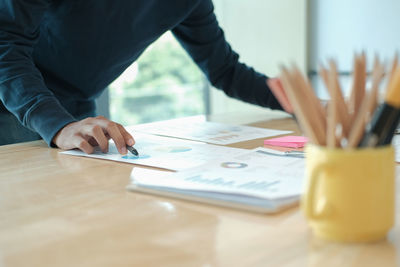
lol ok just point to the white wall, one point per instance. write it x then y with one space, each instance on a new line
341 27
338 28
265 33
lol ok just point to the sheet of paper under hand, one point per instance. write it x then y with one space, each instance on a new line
163 152
287 141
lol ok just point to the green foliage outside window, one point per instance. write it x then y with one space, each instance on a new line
163 83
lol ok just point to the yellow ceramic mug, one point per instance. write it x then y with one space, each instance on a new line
349 194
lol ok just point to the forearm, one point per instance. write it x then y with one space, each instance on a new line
36 109
22 89
205 42
242 82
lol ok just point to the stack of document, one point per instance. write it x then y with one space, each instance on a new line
261 180
256 180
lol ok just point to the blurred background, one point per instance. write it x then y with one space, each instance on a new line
164 83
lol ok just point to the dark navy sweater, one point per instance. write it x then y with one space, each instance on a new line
57 56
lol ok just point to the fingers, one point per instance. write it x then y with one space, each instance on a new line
96 132
93 131
102 129
113 130
82 144
126 135
277 89
118 134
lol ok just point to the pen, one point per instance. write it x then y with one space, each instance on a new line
385 120
132 150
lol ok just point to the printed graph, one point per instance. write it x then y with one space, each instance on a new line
232 183
233 165
173 149
136 157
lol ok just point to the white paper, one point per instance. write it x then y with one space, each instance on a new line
164 152
250 178
210 132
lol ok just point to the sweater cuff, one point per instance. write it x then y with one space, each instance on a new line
48 118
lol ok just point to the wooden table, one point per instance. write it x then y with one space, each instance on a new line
59 210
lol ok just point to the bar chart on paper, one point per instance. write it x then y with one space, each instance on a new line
230 183
252 180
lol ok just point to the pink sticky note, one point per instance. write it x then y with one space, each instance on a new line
287 141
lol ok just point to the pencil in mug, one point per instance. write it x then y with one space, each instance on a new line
358 87
376 80
317 106
368 105
316 112
332 139
300 106
334 90
394 67
386 118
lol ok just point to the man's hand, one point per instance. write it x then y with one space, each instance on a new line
91 132
279 92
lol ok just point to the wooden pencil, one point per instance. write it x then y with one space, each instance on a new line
354 87
298 101
332 119
335 89
317 111
323 73
393 68
367 107
358 86
310 92
362 82
323 126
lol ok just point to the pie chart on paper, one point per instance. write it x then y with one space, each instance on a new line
233 165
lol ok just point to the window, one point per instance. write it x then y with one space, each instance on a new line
164 83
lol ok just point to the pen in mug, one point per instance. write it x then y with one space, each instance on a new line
386 118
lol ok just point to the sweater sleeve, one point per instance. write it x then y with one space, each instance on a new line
22 88
201 36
